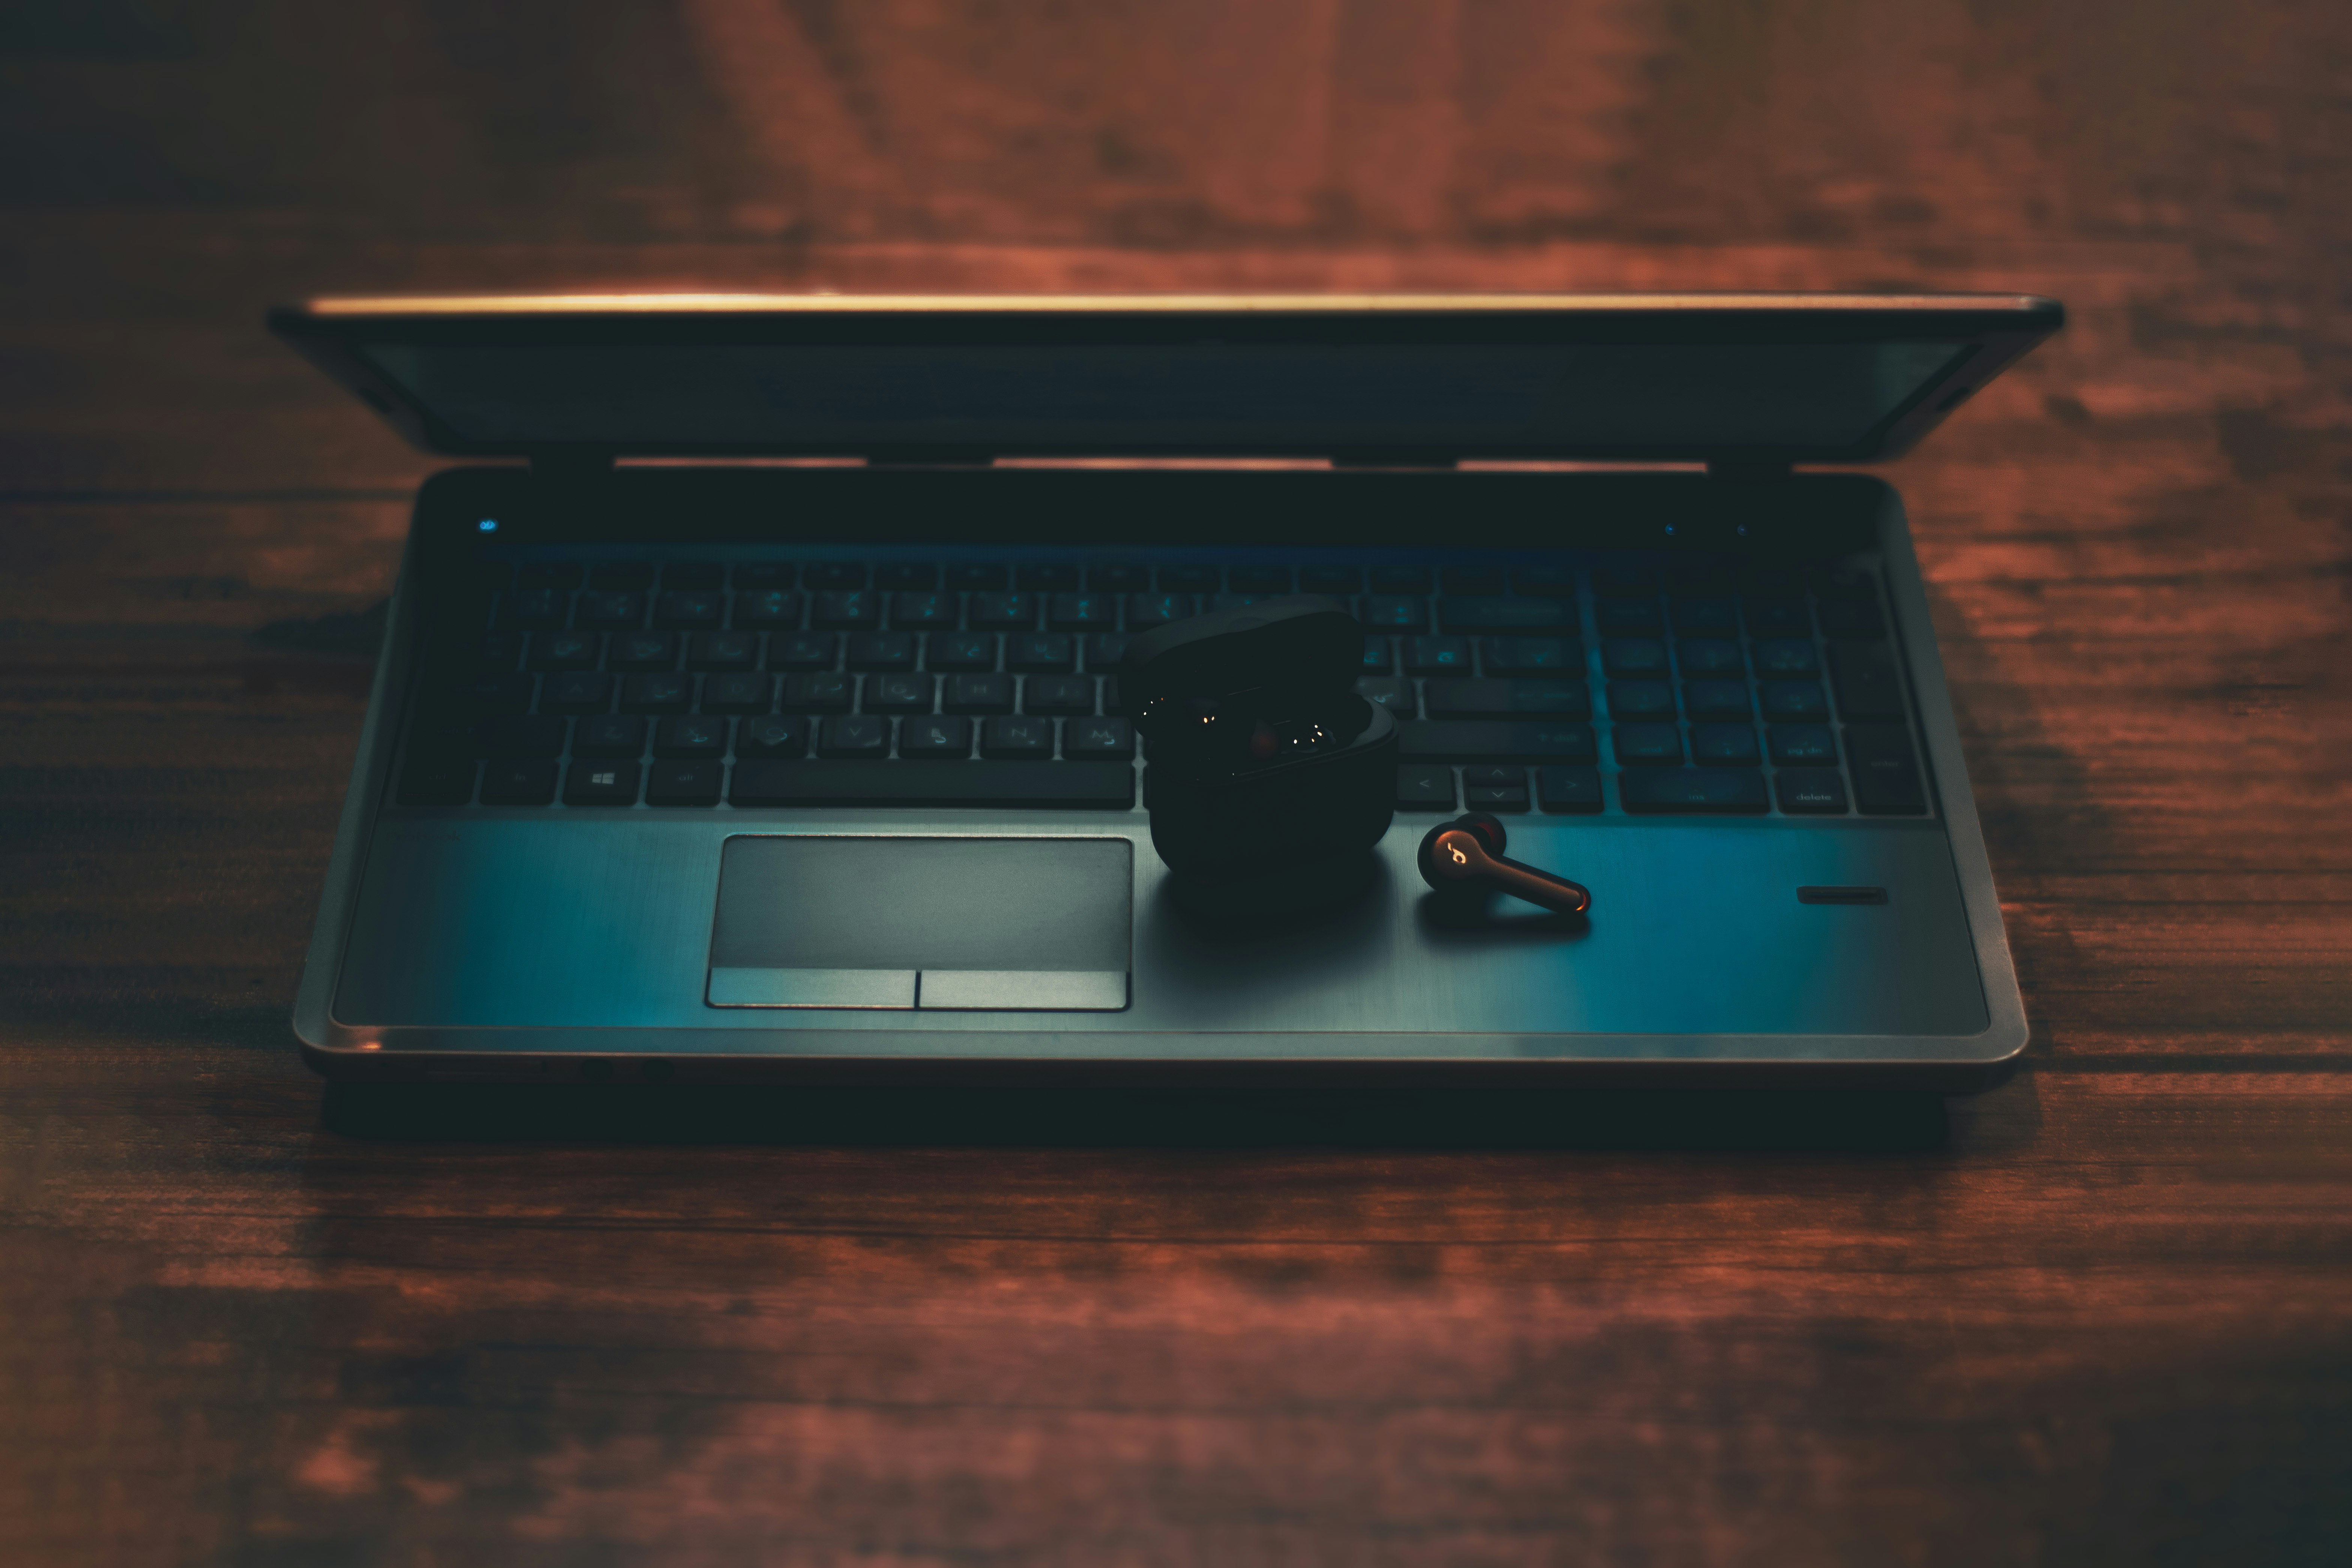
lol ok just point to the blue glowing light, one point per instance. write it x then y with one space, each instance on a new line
488 525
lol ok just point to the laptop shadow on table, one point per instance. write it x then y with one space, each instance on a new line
1864 1121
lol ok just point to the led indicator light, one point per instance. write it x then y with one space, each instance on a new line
487 525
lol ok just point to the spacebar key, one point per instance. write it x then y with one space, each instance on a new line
1095 785
1483 740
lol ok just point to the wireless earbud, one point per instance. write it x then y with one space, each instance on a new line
1468 852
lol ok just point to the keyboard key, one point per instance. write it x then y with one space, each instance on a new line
1057 693
1867 686
615 611
551 574
1005 611
935 736
1698 573
1495 789
1852 619
1401 579
979 694
1393 694
501 694
1633 656
1146 610
803 651
1621 615
1259 578
1693 789
1716 699
1532 655
1494 741
1502 698
910 575
1624 578
1045 577
520 737
1795 699
1017 740
1424 786
1722 745
1119 579
610 735
1379 659
1104 650
1387 612
621 574
1811 791
762 576
859 735
839 575
817 694
844 610
960 651
685 784
1338 582
693 734
898 693
1437 656
923 612
771 608
1844 582
1784 656
1504 615
1709 656
532 607
1771 580
565 649
518 784
645 650
1804 746
1777 618
882 650
722 650
1041 652
1706 617
1471 579
432 778
1646 745
771 735
502 649
1103 786
1082 613
1641 699
1565 789
656 693
1098 740
1189 580
738 693
701 607
1545 582
1886 776
985 575
693 574
582 691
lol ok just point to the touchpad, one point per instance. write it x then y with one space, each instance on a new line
954 923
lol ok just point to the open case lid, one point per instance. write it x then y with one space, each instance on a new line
1751 380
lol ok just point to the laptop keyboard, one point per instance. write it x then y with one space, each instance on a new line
1571 683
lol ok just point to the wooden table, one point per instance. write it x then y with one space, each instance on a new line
2101 1317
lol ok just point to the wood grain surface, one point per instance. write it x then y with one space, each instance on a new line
2098 1315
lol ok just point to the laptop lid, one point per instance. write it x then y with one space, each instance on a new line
1762 380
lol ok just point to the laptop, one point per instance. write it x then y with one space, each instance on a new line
751 713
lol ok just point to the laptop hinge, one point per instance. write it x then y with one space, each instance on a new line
1748 470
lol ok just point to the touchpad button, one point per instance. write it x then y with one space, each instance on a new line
942 923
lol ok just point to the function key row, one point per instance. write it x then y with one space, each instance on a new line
595 692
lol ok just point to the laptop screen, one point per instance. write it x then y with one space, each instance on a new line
1497 382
